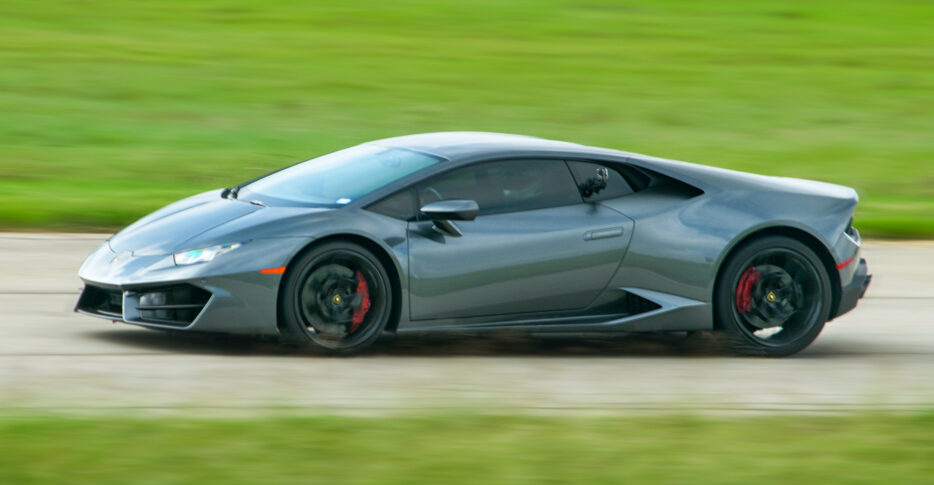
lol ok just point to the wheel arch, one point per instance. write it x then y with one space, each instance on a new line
374 247
800 235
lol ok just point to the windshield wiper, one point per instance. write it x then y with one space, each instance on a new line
230 192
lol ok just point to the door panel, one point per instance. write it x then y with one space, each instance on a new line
540 260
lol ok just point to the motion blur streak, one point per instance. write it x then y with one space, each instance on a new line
113 108
878 358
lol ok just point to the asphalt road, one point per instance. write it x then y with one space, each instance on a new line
881 356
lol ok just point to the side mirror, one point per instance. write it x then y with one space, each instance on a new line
445 211
595 184
451 210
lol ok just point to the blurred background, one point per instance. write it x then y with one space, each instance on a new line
111 109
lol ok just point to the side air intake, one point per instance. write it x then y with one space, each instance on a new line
634 304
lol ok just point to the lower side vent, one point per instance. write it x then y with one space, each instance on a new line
634 304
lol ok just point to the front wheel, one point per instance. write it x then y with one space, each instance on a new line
337 297
773 297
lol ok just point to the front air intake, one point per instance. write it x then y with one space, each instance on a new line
101 302
175 306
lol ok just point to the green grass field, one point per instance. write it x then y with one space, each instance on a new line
110 109
469 450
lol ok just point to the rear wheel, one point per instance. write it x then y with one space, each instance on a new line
773 297
336 296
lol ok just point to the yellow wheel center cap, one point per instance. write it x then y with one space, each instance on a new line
771 297
336 299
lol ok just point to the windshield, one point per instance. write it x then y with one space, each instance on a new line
341 177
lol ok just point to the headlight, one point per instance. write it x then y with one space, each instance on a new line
203 255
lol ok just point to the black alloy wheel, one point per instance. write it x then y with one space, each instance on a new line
336 296
773 297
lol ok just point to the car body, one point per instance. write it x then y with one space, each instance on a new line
643 254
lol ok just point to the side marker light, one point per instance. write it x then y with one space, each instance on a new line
845 263
279 270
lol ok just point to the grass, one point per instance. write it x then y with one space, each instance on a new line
469 450
110 109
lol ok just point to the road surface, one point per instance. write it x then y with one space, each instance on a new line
880 356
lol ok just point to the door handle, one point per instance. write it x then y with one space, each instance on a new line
603 233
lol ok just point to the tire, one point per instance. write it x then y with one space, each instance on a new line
336 297
772 298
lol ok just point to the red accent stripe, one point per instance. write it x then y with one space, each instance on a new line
279 270
845 263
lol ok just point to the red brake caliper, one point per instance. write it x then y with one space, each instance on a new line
364 293
744 289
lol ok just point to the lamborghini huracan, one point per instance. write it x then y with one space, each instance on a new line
483 231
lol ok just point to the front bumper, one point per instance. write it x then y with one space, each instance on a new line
227 295
854 291
238 304
174 306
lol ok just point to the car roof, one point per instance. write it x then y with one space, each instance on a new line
460 144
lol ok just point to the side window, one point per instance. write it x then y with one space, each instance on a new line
616 184
505 186
401 205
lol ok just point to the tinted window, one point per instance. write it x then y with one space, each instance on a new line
340 177
506 186
616 185
401 205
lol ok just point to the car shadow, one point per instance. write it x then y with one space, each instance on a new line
505 344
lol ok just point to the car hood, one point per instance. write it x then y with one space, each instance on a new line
169 229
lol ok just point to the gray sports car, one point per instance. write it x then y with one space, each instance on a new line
479 231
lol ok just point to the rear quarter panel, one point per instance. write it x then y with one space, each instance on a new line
679 244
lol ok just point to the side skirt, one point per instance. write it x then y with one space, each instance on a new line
673 313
